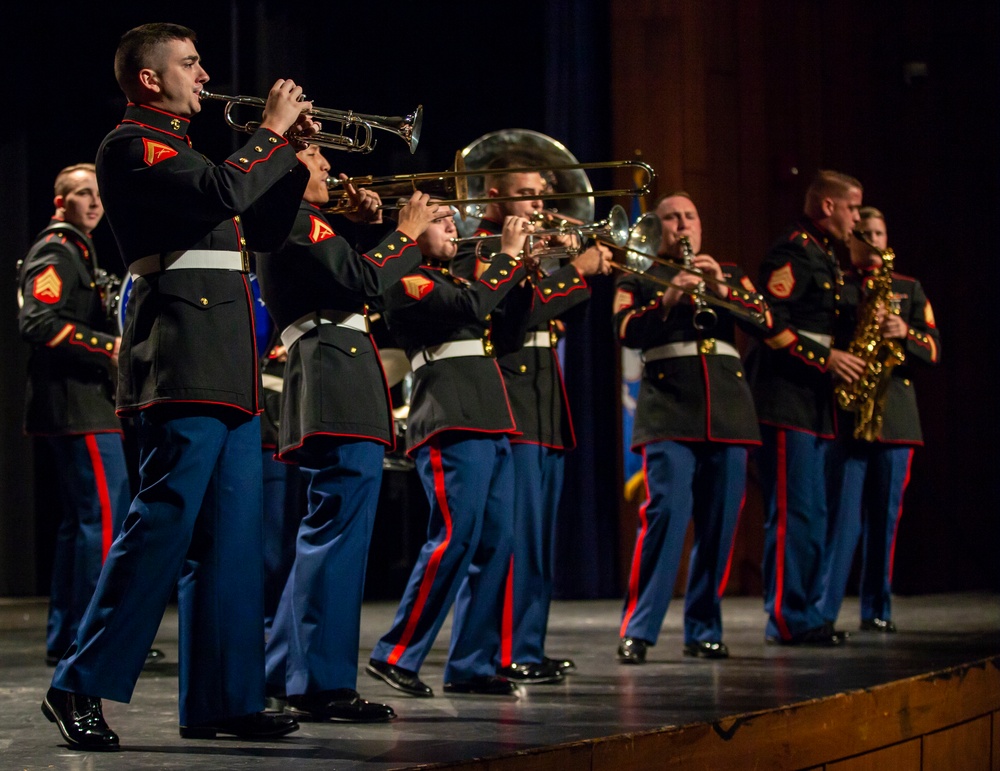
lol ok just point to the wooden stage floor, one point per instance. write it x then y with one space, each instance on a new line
602 699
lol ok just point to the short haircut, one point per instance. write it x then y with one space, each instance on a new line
498 177
63 184
139 49
672 194
870 212
827 184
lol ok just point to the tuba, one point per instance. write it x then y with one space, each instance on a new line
865 397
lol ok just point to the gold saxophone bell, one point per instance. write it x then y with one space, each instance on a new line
356 133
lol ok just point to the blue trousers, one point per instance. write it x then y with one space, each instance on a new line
92 478
703 482
867 483
793 480
313 645
538 481
282 514
470 487
195 524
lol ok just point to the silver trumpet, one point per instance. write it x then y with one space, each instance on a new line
356 134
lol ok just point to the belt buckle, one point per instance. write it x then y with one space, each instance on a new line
706 347
244 260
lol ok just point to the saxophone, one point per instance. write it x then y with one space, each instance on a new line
866 396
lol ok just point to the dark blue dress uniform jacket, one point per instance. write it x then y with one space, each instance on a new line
189 334
901 418
334 384
801 282
70 388
532 373
431 306
686 398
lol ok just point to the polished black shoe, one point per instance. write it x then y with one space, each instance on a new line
401 679
154 657
484 685
256 725
823 635
878 625
343 705
632 650
533 674
80 720
565 665
703 649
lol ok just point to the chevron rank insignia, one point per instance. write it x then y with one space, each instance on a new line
47 287
623 299
782 281
417 287
319 230
154 152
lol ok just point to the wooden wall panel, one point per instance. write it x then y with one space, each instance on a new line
964 747
898 757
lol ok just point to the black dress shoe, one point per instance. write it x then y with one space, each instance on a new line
485 685
343 705
823 635
878 625
80 720
533 673
401 679
256 725
706 650
153 657
632 650
565 665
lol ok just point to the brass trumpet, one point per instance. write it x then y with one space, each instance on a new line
356 129
613 228
454 183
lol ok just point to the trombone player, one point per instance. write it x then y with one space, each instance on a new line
534 382
867 480
694 426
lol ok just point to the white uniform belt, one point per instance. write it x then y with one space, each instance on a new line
824 340
538 339
295 330
709 346
447 350
192 258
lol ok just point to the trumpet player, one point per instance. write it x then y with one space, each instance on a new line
458 431
188 375
316 288
530 365
694 426
792 380
867 480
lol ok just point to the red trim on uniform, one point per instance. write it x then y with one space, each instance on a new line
253 338
899 515
101 483
437 469
732 545
132 409
633 578
782 535
708 395
390 256
507 619
800 429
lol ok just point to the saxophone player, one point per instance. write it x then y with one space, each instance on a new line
867 480
792 378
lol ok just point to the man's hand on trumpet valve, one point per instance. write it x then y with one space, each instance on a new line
514 235
365 203
681 284
285 112
419 212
